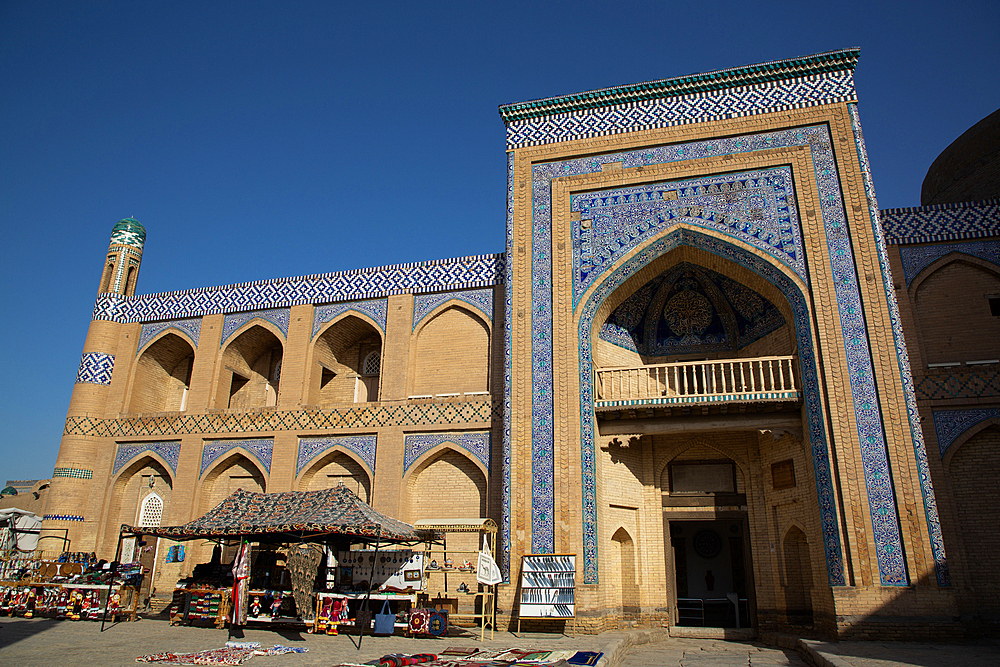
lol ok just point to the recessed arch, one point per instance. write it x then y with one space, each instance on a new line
446 482
130 487
338 354
334 467
941 262
162 376
451 351
701 441
965 437
427 458
250 374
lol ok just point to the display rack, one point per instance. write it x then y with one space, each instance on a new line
354 602
484 600
200 604
548 588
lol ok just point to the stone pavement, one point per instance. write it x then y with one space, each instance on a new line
49 642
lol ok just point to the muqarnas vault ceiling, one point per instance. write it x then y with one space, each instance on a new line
689 309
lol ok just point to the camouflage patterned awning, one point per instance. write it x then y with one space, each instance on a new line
294 515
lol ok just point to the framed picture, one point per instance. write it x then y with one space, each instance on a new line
411 575
346 576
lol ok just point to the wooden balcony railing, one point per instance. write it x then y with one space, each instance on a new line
715 381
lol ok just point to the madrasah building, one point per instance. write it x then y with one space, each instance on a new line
705 363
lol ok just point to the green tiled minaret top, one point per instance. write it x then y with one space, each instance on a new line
129 232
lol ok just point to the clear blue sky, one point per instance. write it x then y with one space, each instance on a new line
259 140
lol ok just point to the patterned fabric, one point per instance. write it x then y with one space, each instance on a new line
241 576
400 660
303 564
237 654
334 511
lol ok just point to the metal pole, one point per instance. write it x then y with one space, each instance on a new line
368 595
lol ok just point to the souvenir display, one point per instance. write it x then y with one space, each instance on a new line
548 587
393 571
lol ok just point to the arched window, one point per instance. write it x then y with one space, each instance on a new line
151 512
373 364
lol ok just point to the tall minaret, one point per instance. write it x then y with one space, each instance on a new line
81 472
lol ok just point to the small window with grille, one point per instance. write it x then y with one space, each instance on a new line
151 512
372 365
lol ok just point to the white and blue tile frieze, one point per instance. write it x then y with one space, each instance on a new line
376 309
150 330
96 368
741 101
481 300
941 222
917 258
258 448
507 352
476 443
950 424
279 317
169 451
903 360
462 273
312 447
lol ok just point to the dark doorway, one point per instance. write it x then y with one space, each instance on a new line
710 563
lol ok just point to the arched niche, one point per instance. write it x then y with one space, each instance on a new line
337 468
251 368
451 352
627 577
702 462
951 304
798 576
144 476
163 375
347 361
447 484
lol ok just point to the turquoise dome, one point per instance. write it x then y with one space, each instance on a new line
9 491
129 232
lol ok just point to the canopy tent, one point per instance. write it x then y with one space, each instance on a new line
19 529
292 516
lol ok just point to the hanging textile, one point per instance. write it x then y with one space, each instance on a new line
487 571
241 581
303 564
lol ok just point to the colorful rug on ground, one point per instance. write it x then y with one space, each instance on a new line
235 653
471 657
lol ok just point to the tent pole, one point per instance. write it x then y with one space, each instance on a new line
114 571
364 607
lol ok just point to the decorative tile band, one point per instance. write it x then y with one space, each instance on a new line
941 222
259 448
376 309
169 451
76 473
508 284
481 300
973 384
277 316
362 445
367 417
917 258
741 101
807 365
150 330
461 273
63 517
766 396
477 444
950 424
916 431
96 368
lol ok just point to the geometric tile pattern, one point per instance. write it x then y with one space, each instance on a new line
481 300
508 283
76 473
375 309
259 448
807 365
942 222
191 326
96 368
63 517
362 417
417 277
477 444
362 445
276 316
974 384
169 451
752 206
903 361
950 424
799 93
915 258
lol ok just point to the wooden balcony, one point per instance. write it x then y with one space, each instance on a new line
751 380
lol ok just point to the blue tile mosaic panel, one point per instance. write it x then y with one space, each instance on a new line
941 222
150 330
902 357
259 449
63 517
74 473
377 309
481 300
741 101
169 451
362 445
507 351
950 424
277 316
477 444
461 273
917 258
96 368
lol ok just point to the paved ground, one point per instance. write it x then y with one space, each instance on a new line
50 642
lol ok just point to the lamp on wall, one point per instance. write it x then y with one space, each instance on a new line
152 481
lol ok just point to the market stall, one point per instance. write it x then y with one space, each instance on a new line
312 525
